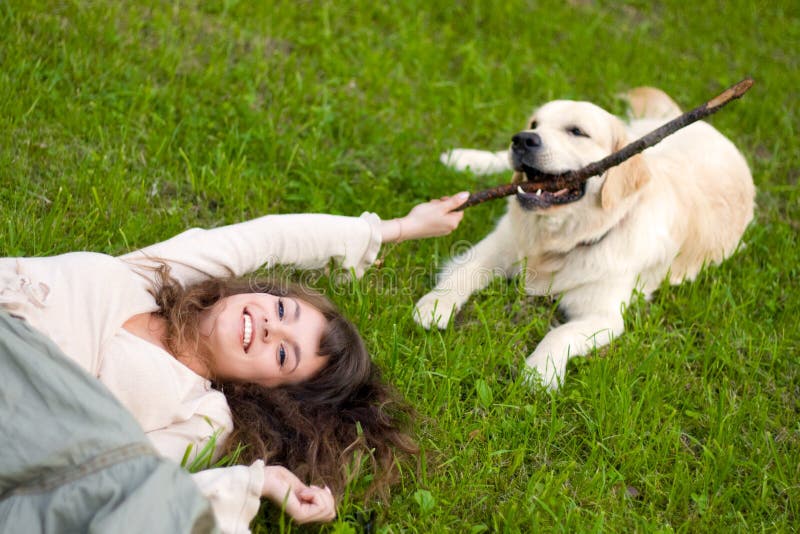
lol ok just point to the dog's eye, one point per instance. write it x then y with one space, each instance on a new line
577 132
533 125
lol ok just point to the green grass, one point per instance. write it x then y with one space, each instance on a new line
126 122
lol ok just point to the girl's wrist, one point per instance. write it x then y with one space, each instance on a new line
273 482
393 231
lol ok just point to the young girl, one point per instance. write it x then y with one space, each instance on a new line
194 351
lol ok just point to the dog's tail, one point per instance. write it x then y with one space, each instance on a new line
651 103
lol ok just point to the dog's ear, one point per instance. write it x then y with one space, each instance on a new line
626 178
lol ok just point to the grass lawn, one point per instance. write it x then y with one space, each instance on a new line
126 122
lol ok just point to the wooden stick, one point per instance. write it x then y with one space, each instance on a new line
570 179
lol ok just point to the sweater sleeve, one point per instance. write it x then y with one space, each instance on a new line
234 493
303 240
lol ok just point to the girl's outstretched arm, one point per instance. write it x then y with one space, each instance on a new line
429 219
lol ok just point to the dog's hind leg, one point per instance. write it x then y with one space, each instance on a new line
651 103
480 162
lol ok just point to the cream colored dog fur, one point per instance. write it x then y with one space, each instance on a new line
663 213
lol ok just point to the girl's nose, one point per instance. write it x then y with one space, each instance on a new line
273 330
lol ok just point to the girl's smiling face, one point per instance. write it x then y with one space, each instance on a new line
263 339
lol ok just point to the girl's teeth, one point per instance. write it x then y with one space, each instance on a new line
248 331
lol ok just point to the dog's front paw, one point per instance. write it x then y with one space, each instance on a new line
477 161
433 310
544 369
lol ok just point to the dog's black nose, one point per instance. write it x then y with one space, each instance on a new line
526 140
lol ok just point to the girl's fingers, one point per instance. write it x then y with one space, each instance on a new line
315 504
456 200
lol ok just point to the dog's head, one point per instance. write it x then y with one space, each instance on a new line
564 135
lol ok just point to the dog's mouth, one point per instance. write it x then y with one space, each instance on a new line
541 198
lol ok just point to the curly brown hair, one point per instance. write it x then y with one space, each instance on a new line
325 429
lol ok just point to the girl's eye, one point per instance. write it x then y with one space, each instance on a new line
577 132
280 309
281 356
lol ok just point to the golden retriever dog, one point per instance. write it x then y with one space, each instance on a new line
664 213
